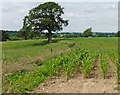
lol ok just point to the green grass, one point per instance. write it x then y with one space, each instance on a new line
63 54
103 42
15 51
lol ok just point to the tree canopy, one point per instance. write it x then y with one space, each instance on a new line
87 32
46 16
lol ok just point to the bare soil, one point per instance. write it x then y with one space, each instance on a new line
78 84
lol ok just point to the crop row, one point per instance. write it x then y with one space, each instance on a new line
79 60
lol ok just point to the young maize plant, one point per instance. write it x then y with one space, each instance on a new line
69 69
75 57
104 65
51 68
87 62
117 62
115 59
57 65
71 63
86 67
67 66
113 55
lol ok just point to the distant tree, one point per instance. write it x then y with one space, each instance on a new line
118 34
87 32
4 36
46 16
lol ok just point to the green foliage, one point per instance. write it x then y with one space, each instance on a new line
32 34
87 58
49 15
4 36
26 32
23 33
104 65
78 58
69 63
25 81
46 16
87 32
118 34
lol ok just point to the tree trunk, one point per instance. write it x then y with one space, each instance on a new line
49 37
25 38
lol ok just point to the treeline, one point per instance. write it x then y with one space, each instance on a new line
8 35
16 35
76 34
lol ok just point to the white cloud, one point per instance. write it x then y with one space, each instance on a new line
60 0
16 22
100 16
89 10
0 15
110 6
72 15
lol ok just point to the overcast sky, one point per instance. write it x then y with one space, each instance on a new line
101 16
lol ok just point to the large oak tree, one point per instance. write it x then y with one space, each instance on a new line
46 17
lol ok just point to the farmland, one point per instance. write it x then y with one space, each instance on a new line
29 66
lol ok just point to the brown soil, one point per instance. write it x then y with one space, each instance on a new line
14 67
79 84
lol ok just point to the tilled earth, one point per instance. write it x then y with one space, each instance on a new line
78 84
